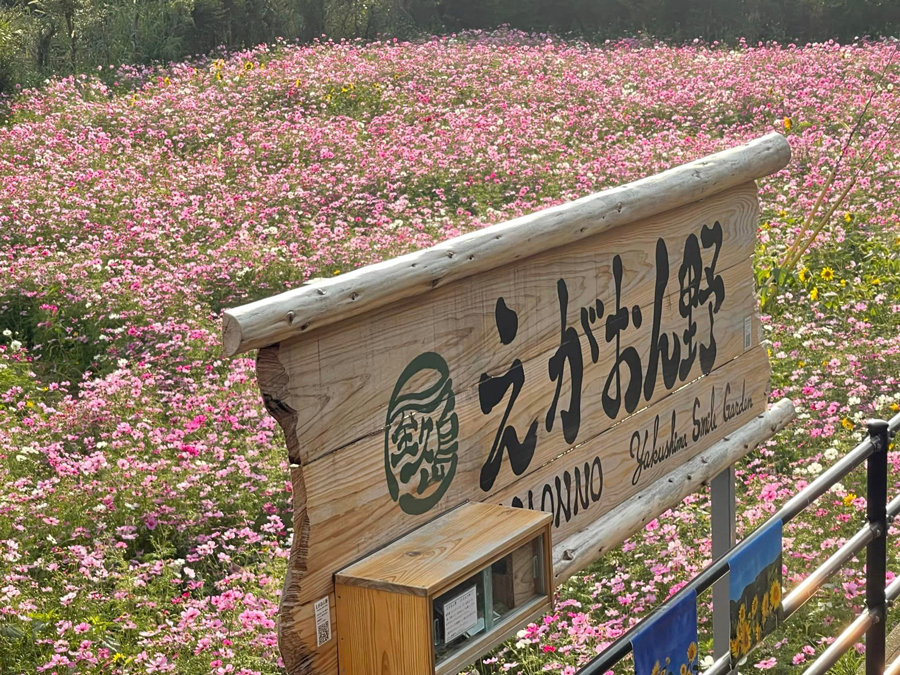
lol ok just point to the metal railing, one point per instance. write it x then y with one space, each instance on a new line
872 537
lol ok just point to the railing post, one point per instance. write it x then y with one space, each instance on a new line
722 506
876 552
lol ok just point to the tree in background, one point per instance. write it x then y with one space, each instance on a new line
43 37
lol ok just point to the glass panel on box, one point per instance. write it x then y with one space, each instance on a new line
518 578
474 607
459 615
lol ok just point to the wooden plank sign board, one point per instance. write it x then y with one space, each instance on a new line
563 362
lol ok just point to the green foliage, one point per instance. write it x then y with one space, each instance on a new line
63 332
13 43
43 37
801 20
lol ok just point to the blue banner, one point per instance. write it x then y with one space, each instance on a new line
667 643
754 589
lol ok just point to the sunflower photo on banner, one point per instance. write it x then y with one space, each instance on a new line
754 591
667 644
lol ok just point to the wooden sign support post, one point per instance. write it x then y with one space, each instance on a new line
602 354
722 516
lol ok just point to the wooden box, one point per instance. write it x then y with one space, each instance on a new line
446 593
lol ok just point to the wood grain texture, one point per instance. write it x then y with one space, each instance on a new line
344 371
446 550
297 634
313 306
581 548
331 393
351 510
523 580
360 516
746 378
383 633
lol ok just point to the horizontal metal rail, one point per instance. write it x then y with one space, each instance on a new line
893 668
808 587
842 644
715 571
721 666
852 634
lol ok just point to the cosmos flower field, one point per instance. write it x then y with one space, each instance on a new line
145 502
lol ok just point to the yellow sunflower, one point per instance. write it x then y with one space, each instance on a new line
745 638
775 594
692 651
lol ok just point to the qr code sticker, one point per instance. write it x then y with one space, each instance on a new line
323 622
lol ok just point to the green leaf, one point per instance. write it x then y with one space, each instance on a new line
10 631
111 644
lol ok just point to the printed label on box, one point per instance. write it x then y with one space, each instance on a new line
323 622
460 615
748 333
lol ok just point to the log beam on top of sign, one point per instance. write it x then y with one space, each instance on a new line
339 380
578 550
313 306
351 510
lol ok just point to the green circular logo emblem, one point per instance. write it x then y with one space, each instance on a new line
420 434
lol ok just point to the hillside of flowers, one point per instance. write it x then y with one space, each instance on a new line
145 501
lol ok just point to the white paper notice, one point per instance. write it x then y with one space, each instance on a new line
323 622
460 615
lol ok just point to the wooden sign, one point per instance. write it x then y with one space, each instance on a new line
562 362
